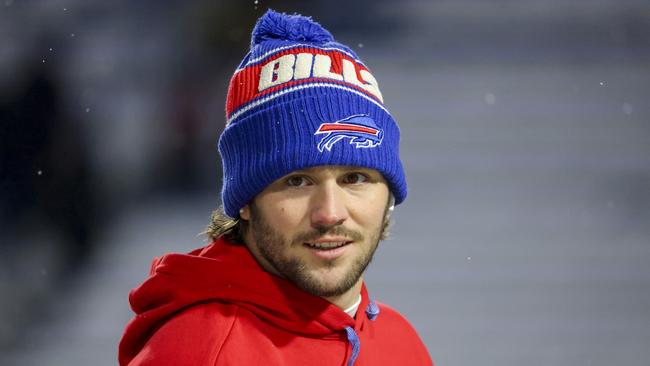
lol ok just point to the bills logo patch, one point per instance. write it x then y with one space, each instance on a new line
360 129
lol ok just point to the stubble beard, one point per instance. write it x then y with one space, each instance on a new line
272 246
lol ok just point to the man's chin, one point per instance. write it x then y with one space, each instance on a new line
326 282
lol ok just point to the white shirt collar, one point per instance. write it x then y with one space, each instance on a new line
352 310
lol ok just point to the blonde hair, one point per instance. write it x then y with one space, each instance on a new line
222 225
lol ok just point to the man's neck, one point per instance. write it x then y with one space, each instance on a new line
347 299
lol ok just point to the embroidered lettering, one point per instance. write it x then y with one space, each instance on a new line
305 65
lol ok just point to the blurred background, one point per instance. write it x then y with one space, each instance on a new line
525 138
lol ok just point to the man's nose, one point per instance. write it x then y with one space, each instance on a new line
328 205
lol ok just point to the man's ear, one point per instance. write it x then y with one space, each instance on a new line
245 213
391 207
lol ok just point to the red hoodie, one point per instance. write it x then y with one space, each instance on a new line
217 306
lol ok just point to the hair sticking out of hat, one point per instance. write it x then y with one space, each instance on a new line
277 26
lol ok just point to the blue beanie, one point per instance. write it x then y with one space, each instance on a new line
300 99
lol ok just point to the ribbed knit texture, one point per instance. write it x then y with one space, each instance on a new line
271 128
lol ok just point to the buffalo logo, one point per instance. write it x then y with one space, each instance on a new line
360 129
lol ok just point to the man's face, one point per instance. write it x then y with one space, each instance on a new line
319 227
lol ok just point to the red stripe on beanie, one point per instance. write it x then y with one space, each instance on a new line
244 84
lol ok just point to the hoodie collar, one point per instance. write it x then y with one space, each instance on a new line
228 272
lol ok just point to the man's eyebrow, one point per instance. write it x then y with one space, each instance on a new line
301 171
338 170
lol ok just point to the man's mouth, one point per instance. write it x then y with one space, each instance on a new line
327 245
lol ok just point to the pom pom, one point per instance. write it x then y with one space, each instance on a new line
297 28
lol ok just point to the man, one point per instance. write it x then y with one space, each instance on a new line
311 175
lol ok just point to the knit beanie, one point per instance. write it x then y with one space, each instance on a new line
300 99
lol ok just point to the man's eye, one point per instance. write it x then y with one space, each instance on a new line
297 181
355 178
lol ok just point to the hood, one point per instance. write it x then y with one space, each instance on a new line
227 272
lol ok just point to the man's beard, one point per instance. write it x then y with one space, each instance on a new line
274 248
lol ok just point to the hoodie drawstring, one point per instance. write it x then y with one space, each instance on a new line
353 338
372 310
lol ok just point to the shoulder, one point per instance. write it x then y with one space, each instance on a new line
193 336
392 317
391 330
